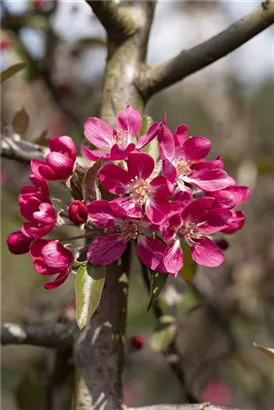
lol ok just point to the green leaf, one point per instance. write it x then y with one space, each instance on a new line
20 121
164 334
157 282
89 285
189 269
147 122
266 350
90 183
117 106
14 69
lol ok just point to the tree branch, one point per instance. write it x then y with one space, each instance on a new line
115 19
21 151
53 335
154 79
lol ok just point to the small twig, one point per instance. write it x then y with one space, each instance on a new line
154 79
52 336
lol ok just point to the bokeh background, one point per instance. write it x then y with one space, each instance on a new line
231 102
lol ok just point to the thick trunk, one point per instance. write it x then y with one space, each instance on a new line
99 352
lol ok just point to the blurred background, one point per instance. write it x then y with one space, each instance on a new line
230 102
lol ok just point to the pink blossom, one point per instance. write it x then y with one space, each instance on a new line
193 225
134 182
59 162
119 229
183 160
117 141
18 243
78 212
51 258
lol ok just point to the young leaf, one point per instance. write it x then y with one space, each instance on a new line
266 350
189 269
89 284
163 335
14 69
157 282
90 184
20 121
147 122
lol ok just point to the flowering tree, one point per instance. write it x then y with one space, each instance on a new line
166 208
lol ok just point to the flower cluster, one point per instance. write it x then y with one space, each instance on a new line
183 199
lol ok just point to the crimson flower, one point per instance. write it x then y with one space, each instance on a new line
77 212
18 243
51 258
59 162
229 198
134 183
119 229
36 207
192 225
117 141
183 160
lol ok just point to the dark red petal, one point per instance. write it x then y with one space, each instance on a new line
140 165
18 243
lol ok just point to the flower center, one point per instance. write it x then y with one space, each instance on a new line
182 167
139 190
128 229
121 138
188 232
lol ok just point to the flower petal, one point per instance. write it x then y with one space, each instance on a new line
35 230
149 136
160 186
98 132
40 184
102 214
157 209
130 208
213 221
169 170
214 164
93 155
173 259
180 135
150 251
60 164
207 253
115 179
18 243
196 148
166 143
64 145
235 223
209 180
240 193
58 281
196 209
140 165
129 120
46 214
42 170
117 153
170 226
56 256
106 249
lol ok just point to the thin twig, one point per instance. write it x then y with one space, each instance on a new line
154 79
172 352
52 336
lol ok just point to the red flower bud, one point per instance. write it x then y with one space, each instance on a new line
78 212
19 243
137 342
4 44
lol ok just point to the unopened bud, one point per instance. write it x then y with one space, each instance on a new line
78 212
136 342
19 243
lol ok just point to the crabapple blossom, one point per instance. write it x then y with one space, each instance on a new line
77 212
59 162
117 141
18 243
